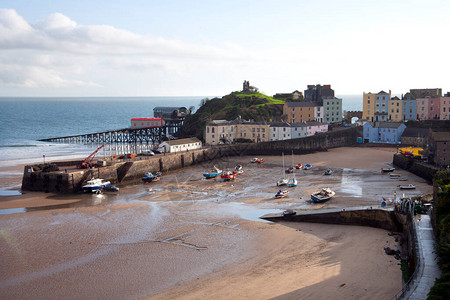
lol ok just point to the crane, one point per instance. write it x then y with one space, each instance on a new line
87 162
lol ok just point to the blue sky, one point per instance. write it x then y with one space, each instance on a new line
176 48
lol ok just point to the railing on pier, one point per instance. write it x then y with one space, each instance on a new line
120 136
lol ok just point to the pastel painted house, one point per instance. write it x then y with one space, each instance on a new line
316 127
383 132
280 131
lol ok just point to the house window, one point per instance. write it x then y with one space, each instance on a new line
212 130
264 135
258 129
263 129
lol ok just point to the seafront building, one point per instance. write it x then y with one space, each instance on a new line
383 132
180 145
332 110
395 109
302 111
280 131
409 109
219 132
445 108
375 106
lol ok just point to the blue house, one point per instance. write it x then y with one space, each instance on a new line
409 110
383 132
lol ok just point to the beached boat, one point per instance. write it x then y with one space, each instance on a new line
228 175
307 167
323 195
95 185
238 170
289 170
257 160
283 180
407 187
149 177
298 166
293 182
387 170
281 194
393 175
328 172
214 172
289 212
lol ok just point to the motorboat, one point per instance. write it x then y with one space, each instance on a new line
95 185
387 170
214 172
282 181
298 166
393 175
238 170
111 188
289 170
307 167
228 175
407 187
281 194
328 172
149 177
323 195
289 212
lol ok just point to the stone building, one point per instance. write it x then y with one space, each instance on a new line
439 148
247 88
422 93
318 92
415 137
295 95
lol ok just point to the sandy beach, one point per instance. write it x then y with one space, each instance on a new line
188 238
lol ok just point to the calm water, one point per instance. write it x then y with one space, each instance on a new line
25 120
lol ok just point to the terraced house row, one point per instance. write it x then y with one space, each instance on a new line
417 104
227 132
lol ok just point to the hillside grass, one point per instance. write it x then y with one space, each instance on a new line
270 100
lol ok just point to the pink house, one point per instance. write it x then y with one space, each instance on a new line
434 108
315 127
422 108
444 108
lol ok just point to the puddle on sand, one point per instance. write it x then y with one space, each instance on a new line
10 193
248 212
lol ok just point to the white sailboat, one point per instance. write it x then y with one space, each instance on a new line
282 180
293 181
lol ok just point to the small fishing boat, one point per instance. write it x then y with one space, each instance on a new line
393 175
289 170
214 172
238 170
307 167
95 185
228 175
257 160
298 166
282 181
387 170
328 172
281 194
407 187
149 177
289 212
323 195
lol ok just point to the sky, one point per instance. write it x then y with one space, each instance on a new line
190 48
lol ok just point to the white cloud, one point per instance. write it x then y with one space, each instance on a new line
57 52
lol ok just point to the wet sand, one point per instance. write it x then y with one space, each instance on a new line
184 237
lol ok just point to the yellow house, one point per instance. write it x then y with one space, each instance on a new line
395 109
255 131
368 105
375 106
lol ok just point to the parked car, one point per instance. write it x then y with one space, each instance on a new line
156 151
148 152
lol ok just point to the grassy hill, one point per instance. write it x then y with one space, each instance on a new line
252 106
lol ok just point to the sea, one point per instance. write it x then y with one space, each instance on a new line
24 121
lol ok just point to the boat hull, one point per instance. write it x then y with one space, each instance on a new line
210 175
318 199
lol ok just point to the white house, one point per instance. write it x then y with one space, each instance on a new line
180 145
280 131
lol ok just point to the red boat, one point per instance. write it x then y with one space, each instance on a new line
228 175
298 166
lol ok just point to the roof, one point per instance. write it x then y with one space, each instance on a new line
279 124
383 92
305 124
182 141
415 132
386 124
441 136
168 108
395 98
146 119
303 104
